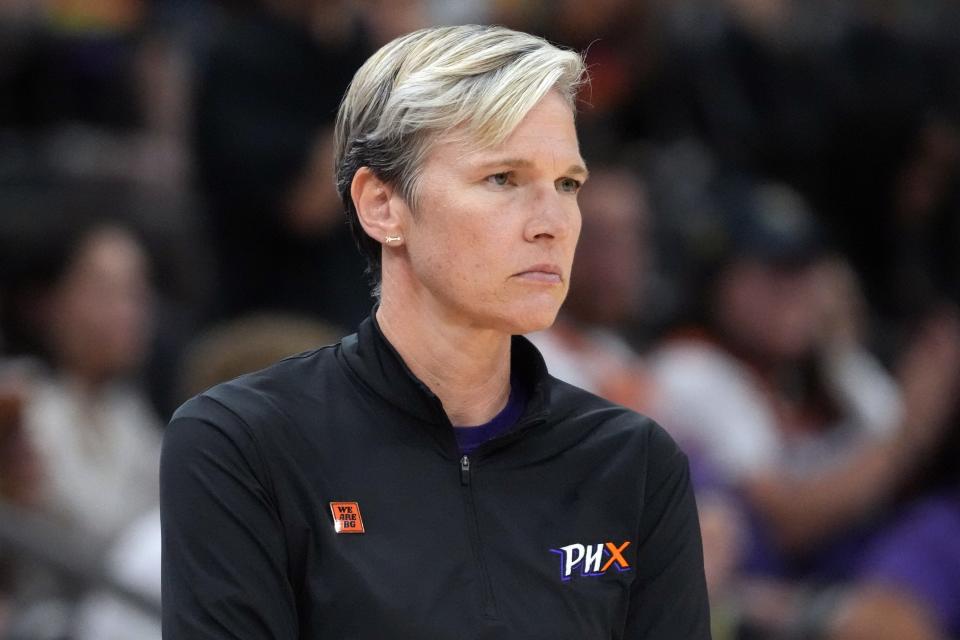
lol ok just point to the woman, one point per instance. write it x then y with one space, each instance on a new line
96 437
425 477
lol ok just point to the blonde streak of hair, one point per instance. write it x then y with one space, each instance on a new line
485 106
450 51
369 90
501 112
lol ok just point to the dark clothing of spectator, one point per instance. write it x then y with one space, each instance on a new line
265 93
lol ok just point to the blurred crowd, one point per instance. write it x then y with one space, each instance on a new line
769 266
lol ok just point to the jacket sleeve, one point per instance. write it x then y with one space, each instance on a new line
224 568
668 598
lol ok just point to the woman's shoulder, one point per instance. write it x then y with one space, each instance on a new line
592 431
602 419
277 392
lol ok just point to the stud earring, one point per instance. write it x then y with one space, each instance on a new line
389 239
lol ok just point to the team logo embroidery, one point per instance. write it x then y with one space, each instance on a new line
346 517
591 559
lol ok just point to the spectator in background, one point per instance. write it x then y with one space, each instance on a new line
241 346
890 174
81 458
97 439
267 94
774 385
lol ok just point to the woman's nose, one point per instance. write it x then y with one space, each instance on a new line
552 215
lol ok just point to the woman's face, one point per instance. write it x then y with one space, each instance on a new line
773 310
100 317
492 238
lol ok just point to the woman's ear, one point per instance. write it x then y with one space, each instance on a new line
377 210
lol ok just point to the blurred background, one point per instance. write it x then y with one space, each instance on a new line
769 266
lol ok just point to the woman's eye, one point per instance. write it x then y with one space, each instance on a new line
499 179
568 185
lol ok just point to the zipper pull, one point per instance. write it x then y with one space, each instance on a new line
465 470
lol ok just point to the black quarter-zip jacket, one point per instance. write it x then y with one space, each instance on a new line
579 523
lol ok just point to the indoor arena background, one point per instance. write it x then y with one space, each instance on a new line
769 266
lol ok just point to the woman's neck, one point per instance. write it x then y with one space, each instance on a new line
467 368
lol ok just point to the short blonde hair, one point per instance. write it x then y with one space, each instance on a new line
475 81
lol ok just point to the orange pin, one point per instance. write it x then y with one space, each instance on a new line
346 517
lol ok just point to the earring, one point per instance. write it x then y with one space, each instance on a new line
389 239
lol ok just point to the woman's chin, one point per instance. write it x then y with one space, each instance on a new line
530 320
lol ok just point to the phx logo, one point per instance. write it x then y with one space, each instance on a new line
592 559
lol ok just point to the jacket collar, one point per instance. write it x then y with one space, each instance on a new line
371 357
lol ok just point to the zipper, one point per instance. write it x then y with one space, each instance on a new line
488 604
